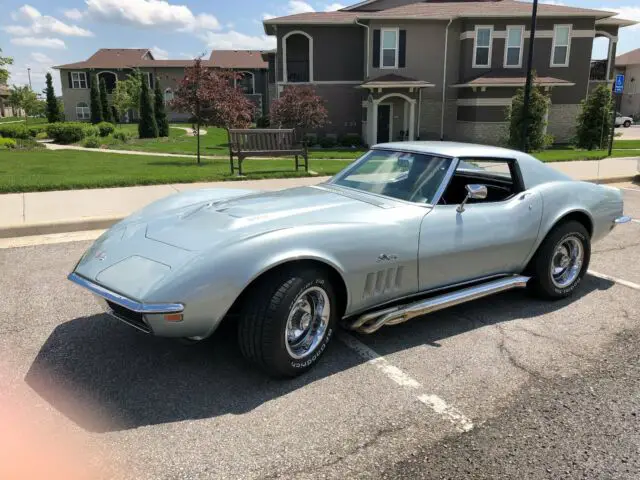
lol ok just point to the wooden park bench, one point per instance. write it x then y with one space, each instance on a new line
256 142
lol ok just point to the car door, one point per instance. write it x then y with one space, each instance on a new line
485 239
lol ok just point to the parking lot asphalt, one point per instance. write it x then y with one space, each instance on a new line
503 386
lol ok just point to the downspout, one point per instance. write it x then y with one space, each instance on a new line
444 78
419 112
368 46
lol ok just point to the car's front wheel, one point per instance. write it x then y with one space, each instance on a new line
561 261
287 321
627 124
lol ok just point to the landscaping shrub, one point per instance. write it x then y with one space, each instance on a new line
147 126
594 122
95 105
7 143
105 128
91 142
91 130
34 130
539 104
327 142
350 140
42 136
122 135
69 132
104 102
14 130
161 116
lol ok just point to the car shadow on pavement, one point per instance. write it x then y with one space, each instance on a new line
105 376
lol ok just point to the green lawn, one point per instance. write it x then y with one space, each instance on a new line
10 119
626 144
32 121
28 171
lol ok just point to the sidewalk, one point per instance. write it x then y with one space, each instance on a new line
36 213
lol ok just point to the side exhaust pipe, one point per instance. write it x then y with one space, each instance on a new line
371 322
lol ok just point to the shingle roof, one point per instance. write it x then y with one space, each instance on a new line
629 58
238 59
508 79
442 11
124 57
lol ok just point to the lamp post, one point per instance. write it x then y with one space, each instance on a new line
528 84
29 74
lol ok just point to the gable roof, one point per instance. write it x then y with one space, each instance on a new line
629 58
366 3
439 11
250 59
124 58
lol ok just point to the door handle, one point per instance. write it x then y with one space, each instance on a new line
526 195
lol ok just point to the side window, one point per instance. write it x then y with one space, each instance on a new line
513 46
498 175
482 46
561 47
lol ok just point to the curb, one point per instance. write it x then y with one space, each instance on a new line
100 223
65 226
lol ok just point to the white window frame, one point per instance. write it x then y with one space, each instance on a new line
475 46
164 95
382 49
80 114
554 45
253 81
82 77
506 45
148 75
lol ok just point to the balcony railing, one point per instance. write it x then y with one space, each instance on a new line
297 71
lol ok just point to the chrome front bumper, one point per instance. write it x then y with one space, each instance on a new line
125 309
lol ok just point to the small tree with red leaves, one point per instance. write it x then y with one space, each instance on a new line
299 107
210 98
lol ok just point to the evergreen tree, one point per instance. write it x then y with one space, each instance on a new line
594 121
104 102
96 107
536 139
147 126
53 112
161 115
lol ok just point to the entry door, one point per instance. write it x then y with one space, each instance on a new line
384 123
486 239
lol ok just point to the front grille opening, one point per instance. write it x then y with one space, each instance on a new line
135 319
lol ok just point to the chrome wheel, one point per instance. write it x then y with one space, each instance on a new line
307 322
566 262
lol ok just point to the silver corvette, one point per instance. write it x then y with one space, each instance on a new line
407 229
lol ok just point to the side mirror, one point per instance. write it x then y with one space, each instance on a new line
474 192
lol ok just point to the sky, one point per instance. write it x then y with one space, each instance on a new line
43 33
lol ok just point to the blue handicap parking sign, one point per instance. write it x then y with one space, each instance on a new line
619 87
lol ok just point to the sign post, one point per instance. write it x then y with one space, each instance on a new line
618 88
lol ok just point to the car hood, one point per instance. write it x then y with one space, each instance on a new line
210 223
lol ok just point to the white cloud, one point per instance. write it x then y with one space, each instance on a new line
238 41
41 58
333 7
38 24
159 53
298 6
267 16
42 42
150 14
74 14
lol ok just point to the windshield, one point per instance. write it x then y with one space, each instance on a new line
414 177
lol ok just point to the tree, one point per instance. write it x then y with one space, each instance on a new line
539 103
4 72
23 98
161 115
53 111
96 107
104 102
126 95
210 98
299 107
147 126
594 121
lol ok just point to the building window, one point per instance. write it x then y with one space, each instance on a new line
513 46
79 80
246 83
168 96
82 111
482 46
389 50
149 77
561 47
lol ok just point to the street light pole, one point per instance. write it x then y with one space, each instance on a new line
29 74
528 84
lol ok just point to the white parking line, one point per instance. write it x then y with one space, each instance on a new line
635 286
630 189
434 402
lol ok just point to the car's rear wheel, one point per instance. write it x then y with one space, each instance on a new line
561 261
627 124
287 321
